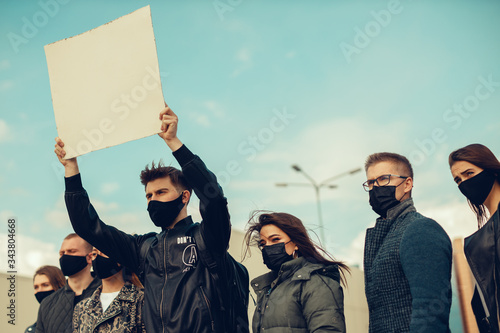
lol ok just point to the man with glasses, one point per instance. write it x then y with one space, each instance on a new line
407 259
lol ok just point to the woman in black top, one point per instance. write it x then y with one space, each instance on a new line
476 170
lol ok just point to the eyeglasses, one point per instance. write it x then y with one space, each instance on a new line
383 180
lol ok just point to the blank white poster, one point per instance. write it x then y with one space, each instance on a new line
105 84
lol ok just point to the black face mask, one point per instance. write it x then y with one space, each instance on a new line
70 265
477 188
383 198
275 255
163 214
40 296
105 267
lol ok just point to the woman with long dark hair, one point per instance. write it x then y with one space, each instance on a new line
302 292
476 170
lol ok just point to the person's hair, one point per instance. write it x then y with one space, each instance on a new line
54 274
400 161
87 245
295 229
131 277
483 158
127 274
161 171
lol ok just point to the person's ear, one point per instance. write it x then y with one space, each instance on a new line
408 184
90 257
186 195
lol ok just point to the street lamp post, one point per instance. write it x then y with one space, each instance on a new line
317 188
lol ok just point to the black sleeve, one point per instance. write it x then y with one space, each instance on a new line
115 243
216 225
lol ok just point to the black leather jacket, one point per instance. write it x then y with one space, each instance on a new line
482 250
180 295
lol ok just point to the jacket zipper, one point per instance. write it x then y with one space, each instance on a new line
263 307
103 319
164 280
209 308
496 297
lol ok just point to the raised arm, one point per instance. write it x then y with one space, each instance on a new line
216 226
70 165
426 256
86 223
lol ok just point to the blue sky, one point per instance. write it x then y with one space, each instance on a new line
259 87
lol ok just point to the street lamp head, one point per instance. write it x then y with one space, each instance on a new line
354 171
281 184
296 168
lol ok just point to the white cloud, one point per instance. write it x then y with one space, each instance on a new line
456 218
109 188
341 154
5 134
214 107
244 59
6 85
4 64
31 253
130 222
206 111
58 217
201 119
20 192
244 55
6 214
353 255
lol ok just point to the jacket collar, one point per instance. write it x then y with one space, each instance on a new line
127 293
181 224
92 285
400 209
297 269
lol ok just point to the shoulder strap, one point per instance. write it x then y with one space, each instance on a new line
209 261
205 254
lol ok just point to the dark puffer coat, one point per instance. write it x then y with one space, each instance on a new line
122 315
301 297
56 311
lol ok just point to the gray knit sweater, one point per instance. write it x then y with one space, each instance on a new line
407 267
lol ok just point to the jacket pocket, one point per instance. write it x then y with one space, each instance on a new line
206 301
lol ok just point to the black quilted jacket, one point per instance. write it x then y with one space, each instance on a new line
56 311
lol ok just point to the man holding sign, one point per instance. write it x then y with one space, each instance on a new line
182 292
